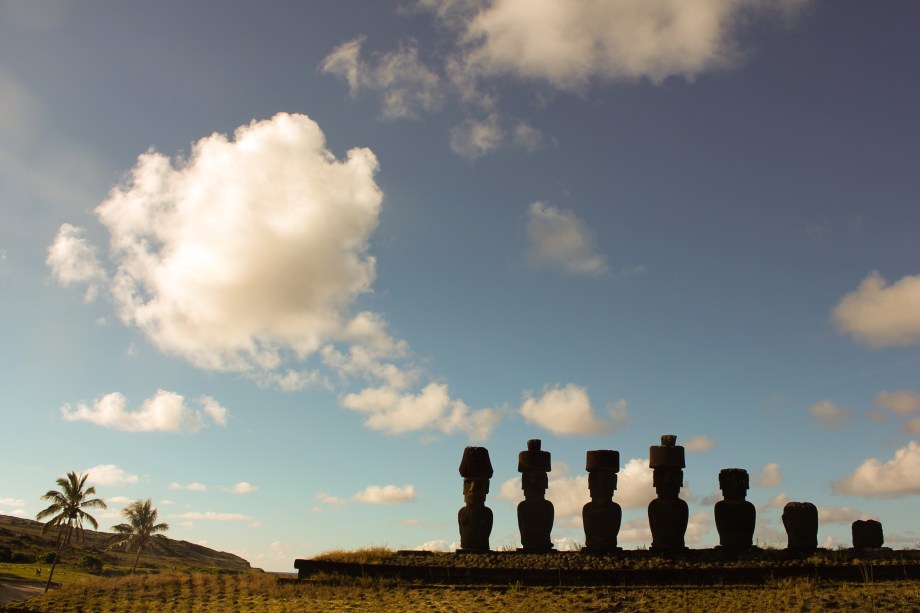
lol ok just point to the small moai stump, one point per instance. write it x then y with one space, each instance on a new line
735 516
667 514
867 534
801 522
475 518
602 516
535 513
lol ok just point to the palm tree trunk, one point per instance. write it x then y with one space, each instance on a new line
135 560
54 562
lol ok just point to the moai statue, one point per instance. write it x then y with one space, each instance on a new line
867 534
475 518
801 522
667 514
535 512
602 516
735 516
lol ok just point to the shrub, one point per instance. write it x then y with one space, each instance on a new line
21 557
45 558
91 563
5 554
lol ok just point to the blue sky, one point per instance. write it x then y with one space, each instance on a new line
274 266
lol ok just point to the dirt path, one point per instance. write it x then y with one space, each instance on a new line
20 590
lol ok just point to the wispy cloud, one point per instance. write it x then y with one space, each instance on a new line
700 443
561 241
211 516
829 414
110 474
768 476
191 487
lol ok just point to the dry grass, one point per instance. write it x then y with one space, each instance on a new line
264 592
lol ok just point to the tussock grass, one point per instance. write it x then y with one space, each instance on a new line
376 554
260 592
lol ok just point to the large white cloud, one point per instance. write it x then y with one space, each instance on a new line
882 315
395 411
570 43
564 410
895 478
165 412
248 248
560 240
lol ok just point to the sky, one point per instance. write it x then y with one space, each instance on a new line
274 265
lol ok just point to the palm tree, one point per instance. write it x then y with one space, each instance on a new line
140 531
66 511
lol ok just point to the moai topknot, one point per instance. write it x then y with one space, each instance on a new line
801 522
735 516
667 514
475 518
602 516
535 512
867 534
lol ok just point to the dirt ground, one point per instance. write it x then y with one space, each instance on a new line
20 590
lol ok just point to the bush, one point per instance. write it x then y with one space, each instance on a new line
5 554
91 563
21 557
45 558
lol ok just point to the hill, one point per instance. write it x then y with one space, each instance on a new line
25 535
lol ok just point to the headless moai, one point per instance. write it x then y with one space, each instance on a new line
735 516
667 514
475 518
535 513
602 516
867 534
801 522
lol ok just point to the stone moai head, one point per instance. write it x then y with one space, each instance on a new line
867 533
533 464
476 470
801 522
667 462
734 483
602 466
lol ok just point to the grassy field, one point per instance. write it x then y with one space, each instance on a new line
209 592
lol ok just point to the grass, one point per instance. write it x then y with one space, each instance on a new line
259 592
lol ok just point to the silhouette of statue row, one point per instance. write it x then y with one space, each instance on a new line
668 515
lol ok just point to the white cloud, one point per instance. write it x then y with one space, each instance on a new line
243 488
73 261
395 412
637 531
896 478
329 499
571 43
12 502
828 414
699 443
110 474
476 137
903 402
119 500
386 494
559 240
562 411
768 476
191 487
212 516
437 545
248 249
406 86
165 412
841 515
882 315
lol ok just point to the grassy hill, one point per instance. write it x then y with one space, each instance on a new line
25 535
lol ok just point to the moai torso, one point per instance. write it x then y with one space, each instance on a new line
475 519
602 516
735 516
668 515
535 513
